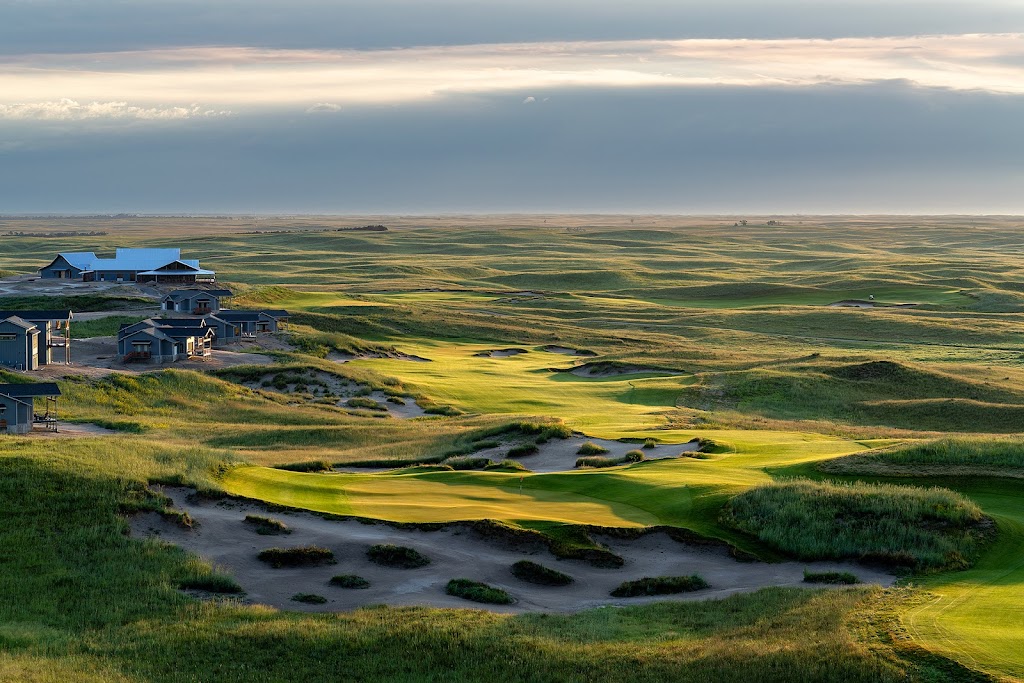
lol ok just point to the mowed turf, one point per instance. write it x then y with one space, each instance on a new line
977 616
607 407
683 492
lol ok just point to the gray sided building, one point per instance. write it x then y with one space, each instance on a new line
19 344
164 341
194 301
18 411
251 323
54 338
128 265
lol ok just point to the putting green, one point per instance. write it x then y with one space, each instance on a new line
681 492
977 616
605 407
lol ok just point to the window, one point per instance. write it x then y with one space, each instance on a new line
7 336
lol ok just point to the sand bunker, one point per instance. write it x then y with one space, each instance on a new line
221 537
614 370
860 303
565 350
340 357
500 353
560 455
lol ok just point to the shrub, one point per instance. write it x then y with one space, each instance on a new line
508 466
478 592
897 525
308 466
266 526
212 583
302 556
830 577
467 463
659 585
397 400
362 402
532 572
309 598
397 556
650 443
349 581
591 448
601 461
447 411
522 449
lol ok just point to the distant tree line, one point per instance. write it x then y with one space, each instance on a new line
63 233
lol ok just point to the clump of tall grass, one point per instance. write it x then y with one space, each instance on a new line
397 556
303 556
897 525
591 448
309 598
532 572
522 449
211 583
659 585
953 456
478 592
349 581
840 578
267 526
307 466
597 461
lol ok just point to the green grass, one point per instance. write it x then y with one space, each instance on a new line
397 556
896 525
102 327
349 581
840 578
478 592
659 585
267 526
309 598
303 556
779 382
533 572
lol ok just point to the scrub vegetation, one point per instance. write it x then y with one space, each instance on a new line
693 330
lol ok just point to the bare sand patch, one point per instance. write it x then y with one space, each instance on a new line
341 357
456 551
501 353
615 370
567 351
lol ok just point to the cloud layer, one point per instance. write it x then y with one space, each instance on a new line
164 83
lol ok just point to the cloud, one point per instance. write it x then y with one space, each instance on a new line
70 110
149 84
530 100
321 107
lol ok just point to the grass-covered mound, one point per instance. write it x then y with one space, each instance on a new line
302 556
349 581
478 592
878 393
598 461
896 525
531 572
309 598
397 556
956 457
659 585
836 578
267 526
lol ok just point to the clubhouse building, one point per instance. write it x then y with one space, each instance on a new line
128 265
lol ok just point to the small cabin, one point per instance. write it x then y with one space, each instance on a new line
19 344
18 409
164 341
54 338
194 301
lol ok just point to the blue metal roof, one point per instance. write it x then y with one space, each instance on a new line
138 259
82 260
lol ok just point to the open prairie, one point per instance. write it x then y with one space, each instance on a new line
610 396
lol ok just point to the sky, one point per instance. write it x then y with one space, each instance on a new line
524 106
